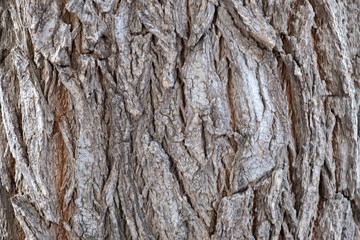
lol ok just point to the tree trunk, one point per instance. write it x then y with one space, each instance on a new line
183 119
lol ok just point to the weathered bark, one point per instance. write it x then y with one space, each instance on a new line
183 119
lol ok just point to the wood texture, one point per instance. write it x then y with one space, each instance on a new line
182 119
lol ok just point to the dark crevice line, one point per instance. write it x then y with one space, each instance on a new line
213 224
229 89
183 104
319 208
152 105
203 137
289 97
334 146
254 215
227 186
292 175
189 18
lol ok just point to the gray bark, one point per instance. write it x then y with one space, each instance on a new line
183 119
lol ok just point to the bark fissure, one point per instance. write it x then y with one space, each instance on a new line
184 119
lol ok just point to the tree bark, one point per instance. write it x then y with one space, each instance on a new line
183 119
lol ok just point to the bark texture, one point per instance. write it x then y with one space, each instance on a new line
179 119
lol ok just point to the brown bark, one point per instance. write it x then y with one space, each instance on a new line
184 119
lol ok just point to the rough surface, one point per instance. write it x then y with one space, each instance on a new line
184 119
